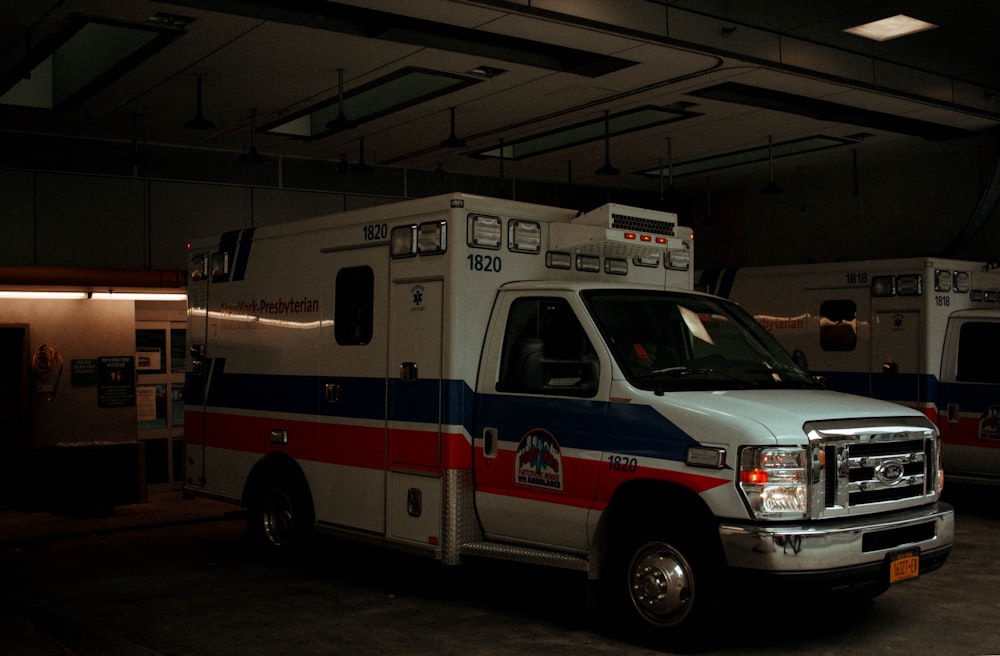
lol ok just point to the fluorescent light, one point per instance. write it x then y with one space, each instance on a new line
57 296
137 296
891 28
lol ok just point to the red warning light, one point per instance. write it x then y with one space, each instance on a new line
645 238
629 235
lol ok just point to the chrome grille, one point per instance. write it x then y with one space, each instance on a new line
861 467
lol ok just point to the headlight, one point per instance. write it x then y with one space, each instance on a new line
775 481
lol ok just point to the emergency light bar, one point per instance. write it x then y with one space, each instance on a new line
618 231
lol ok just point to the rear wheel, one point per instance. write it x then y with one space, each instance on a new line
280 515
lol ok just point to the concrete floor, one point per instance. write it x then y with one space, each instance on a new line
174 577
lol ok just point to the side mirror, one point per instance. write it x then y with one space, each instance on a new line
799 357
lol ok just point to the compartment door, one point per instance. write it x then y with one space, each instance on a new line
414 382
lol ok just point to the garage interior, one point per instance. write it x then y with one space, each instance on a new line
772 128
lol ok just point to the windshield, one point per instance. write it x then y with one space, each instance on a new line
670 341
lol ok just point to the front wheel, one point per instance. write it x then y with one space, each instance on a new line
664 587
661 584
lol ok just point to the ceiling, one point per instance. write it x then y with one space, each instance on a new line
725 76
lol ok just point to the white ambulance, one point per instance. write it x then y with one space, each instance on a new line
476 377
924 332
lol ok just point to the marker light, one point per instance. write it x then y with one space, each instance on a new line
403 241
432 237
629 235
525 236
485 231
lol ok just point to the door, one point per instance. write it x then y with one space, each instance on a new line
895 364
415 374
969 399
16 441
348 481
160 348
539 426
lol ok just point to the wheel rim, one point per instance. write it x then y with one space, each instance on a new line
661 584
279 519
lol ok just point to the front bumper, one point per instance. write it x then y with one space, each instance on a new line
848 545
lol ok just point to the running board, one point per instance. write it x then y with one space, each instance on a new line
531 555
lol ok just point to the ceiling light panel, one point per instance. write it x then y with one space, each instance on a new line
751 155
586 132
404 88
889 28
73 64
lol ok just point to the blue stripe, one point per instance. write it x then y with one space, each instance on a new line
913 388
634 429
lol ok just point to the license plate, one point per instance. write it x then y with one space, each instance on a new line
904 565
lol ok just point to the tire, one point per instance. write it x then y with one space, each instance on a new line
279 515
665 588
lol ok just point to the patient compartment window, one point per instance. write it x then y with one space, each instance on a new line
546 351
838 325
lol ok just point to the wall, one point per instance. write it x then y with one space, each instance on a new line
835 205
78 453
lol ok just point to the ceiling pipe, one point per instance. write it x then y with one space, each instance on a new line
252 155
607 169
361 167
452 141
199 122
340 122
770 187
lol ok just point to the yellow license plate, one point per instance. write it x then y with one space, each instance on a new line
903 566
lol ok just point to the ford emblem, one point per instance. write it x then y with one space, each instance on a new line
889 472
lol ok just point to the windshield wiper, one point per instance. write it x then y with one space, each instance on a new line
679 371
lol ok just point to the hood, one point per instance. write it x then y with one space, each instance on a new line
777 414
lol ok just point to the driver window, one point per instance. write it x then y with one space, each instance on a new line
546 351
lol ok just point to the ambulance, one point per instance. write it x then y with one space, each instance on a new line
924 332
470 377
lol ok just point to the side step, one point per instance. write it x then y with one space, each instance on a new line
531 555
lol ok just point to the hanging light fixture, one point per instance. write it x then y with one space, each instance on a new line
361 167
340 122
452 141
770 187
607 169
199 122
252 155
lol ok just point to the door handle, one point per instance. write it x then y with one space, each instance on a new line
408 372
332 392
491 438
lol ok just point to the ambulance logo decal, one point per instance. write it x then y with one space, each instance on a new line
989 423
538 461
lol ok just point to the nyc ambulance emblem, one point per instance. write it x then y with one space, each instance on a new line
538 461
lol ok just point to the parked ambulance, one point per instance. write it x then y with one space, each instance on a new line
924 332
472 377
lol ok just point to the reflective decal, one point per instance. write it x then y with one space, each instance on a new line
538 461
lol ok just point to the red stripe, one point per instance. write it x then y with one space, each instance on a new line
340 444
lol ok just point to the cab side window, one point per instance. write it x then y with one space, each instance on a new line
978 357
546 351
